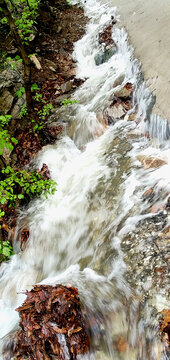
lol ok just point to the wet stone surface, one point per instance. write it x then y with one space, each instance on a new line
148 273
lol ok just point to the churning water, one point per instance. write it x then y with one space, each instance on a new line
94 229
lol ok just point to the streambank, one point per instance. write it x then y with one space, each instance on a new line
147 23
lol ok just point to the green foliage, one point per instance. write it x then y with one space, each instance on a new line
4 21
46 110
20 184
34 87
66 102
13 61
5 250
6 141
4 120
24 13
23 111
20 92
37 97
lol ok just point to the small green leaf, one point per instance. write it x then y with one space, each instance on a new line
20 196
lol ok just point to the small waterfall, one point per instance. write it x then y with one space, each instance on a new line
95 229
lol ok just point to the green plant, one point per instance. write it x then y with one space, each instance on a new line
20 184
38 126
6 141
23 111
46 110
4 120
38 97
6 250
66 102
34 87
13 61
20 92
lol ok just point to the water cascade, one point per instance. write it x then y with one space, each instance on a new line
97 231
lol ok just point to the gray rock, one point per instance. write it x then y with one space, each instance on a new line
66 87
17 107
10 82
104 56
6 100
9 77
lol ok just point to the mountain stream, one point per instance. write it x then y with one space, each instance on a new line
97 232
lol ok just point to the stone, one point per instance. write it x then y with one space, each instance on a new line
36 62
157 208
125 92
113 113
104 56
66 87
148 193
17 107
6 156
6 101
9 77
52 69
60 98
151 162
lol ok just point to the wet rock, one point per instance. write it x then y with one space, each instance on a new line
148 194
151 162
105 55
112 113
6 101
125 92
60 98
157 208
66 87
130 117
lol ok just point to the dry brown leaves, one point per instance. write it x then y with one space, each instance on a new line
165 325
106 36
49 316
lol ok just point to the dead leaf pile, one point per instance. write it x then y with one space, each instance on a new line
106 36
51 322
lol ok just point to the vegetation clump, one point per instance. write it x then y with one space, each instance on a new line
18 187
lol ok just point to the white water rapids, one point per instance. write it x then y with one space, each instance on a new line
76 234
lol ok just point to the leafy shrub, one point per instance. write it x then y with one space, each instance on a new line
6 250
20 184
6 141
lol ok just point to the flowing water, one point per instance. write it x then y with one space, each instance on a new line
97 232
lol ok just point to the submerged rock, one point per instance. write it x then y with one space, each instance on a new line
104 55
151 162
